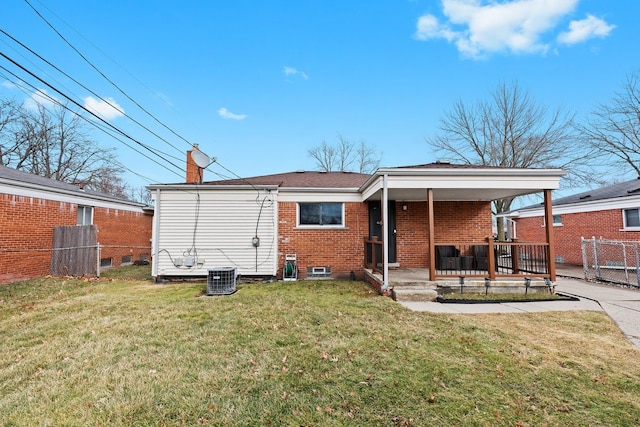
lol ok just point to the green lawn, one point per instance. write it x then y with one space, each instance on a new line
116 352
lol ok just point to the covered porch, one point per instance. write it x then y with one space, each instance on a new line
439 224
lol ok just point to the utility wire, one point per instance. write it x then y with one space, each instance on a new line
87 89
97 125
85 109
140 82
121 91
104 76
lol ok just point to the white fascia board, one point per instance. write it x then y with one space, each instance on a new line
472 172
371 189
207 187
598 205
216 193
59 195
319 195
457 182
531 179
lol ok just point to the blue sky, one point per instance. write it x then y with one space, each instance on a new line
257 84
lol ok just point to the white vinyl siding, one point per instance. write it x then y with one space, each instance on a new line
219 232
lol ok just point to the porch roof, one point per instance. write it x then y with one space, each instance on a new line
459 182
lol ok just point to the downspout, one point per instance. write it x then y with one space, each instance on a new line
154 238
385 234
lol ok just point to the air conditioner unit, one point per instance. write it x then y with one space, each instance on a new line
221 281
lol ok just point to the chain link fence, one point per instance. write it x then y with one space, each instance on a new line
613 261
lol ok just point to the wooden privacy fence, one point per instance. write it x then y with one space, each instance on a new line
75 251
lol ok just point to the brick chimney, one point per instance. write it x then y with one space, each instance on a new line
194 173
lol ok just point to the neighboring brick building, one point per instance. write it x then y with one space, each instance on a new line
324 218
611 212
31 206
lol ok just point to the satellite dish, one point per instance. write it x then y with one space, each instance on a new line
200 159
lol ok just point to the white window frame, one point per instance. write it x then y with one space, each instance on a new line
624 220
82 215
323 226
555 224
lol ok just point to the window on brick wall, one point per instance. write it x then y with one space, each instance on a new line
631 218
85 215
557 220
321 214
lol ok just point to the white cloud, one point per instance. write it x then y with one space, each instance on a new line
290 71
226 114
40 97
108 108
585 29
481 27
8 84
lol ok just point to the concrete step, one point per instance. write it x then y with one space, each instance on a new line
411 293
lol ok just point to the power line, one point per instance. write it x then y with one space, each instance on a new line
114 85
140 82
121 132
97 125
86 88
105 77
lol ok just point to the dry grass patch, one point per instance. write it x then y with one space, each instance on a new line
114 352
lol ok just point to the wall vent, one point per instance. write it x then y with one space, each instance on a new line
319 272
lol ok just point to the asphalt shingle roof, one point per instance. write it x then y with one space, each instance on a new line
301 179
41 181
622 189
609 192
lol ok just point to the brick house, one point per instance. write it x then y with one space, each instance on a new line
332 222
611 212
32 206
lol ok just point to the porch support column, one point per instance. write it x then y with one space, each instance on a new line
430 235
385 233
551 251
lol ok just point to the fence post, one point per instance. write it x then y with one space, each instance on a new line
585 261
595 258
98 260
624 257
635 249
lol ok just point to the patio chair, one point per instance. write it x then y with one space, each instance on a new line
447 258
481 257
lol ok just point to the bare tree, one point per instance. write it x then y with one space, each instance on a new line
511 130
141 195
9 115
613 129
52 142
345 156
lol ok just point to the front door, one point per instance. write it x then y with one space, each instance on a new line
375 226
